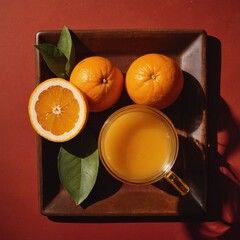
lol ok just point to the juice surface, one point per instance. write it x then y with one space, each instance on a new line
137 145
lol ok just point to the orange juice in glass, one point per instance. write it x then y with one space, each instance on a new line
139 145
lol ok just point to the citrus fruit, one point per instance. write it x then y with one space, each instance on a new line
100 80
57 110
155 80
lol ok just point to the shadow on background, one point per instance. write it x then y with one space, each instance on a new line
221 190
223 202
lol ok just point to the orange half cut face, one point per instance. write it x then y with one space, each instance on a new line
58 110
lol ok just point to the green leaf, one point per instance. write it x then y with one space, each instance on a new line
78 164
54 58
66 46
65 42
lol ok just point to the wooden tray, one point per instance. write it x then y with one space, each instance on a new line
189 114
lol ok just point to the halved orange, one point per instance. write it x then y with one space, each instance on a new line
58 110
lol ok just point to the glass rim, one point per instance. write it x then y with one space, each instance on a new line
130 108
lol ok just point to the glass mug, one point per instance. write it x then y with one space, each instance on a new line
138 144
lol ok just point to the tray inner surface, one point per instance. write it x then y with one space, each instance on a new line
188 113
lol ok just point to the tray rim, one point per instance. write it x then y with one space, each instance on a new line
118 31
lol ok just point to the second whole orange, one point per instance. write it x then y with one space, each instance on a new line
100 80
155 80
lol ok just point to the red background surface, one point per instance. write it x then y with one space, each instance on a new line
20 20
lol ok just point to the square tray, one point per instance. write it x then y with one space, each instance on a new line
189 114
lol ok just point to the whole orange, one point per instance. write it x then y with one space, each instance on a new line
100 80
155 80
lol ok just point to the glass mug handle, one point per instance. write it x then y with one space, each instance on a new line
177 183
